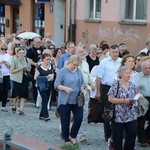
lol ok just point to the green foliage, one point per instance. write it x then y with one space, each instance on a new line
69 146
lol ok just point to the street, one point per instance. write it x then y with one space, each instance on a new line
30 126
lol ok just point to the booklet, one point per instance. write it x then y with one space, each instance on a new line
137 96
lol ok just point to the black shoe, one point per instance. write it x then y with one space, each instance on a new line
14 110
47 119
21 113
41 118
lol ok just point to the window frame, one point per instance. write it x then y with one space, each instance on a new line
94 18
133 20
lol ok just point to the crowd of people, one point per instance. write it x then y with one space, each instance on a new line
108 73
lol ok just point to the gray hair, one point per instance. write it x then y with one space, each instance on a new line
145 63
121 70
47 51
93 47
75 60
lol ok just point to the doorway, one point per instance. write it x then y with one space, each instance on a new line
16 23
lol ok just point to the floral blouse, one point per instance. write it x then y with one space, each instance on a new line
123 112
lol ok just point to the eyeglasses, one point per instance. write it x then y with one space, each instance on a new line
17 45
52 48
3 49
138 59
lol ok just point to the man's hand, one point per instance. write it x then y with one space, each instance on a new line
98 95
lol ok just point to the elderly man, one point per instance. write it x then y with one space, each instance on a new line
85 71
144 85
65 57
34 54
105 76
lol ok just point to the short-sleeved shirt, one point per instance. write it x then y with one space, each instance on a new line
107 70
123 112
34 54
45 72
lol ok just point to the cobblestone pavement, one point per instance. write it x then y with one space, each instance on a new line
30 126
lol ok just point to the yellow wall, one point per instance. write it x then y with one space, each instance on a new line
49 19
8 15
26 12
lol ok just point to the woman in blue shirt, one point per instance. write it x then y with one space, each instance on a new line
70 82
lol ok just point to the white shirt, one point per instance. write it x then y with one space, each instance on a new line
145 50
93 80
84 66
107 70
5 70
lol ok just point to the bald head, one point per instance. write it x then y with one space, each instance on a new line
79 51
145 65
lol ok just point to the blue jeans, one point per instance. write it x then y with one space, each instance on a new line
130 129
45 98
65 111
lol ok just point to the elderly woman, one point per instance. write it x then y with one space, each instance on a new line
92 58
70 82
122 94
20 67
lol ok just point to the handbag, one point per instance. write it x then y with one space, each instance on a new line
95 112
109 111
80 99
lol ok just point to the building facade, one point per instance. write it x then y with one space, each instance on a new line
90 21
35 15
115 21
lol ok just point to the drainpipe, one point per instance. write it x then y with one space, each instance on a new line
69 21
73 20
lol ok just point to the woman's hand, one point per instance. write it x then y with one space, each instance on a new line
68 90
26 69
82 89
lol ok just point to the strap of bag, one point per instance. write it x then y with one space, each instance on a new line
78 79
117 89
113 105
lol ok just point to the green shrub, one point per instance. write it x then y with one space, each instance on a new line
68 146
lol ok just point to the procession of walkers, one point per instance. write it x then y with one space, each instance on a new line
82 81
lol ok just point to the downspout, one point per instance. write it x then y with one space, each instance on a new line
73 25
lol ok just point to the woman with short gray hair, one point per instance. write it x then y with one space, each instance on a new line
69 83
121 94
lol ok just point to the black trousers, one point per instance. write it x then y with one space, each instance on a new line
141 132
147 116
34 90
105 103
5 89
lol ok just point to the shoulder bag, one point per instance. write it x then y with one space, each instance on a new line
109 112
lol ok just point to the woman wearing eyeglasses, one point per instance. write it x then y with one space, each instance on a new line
44 75
5 73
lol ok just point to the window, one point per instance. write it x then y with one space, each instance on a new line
94 9
135 10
